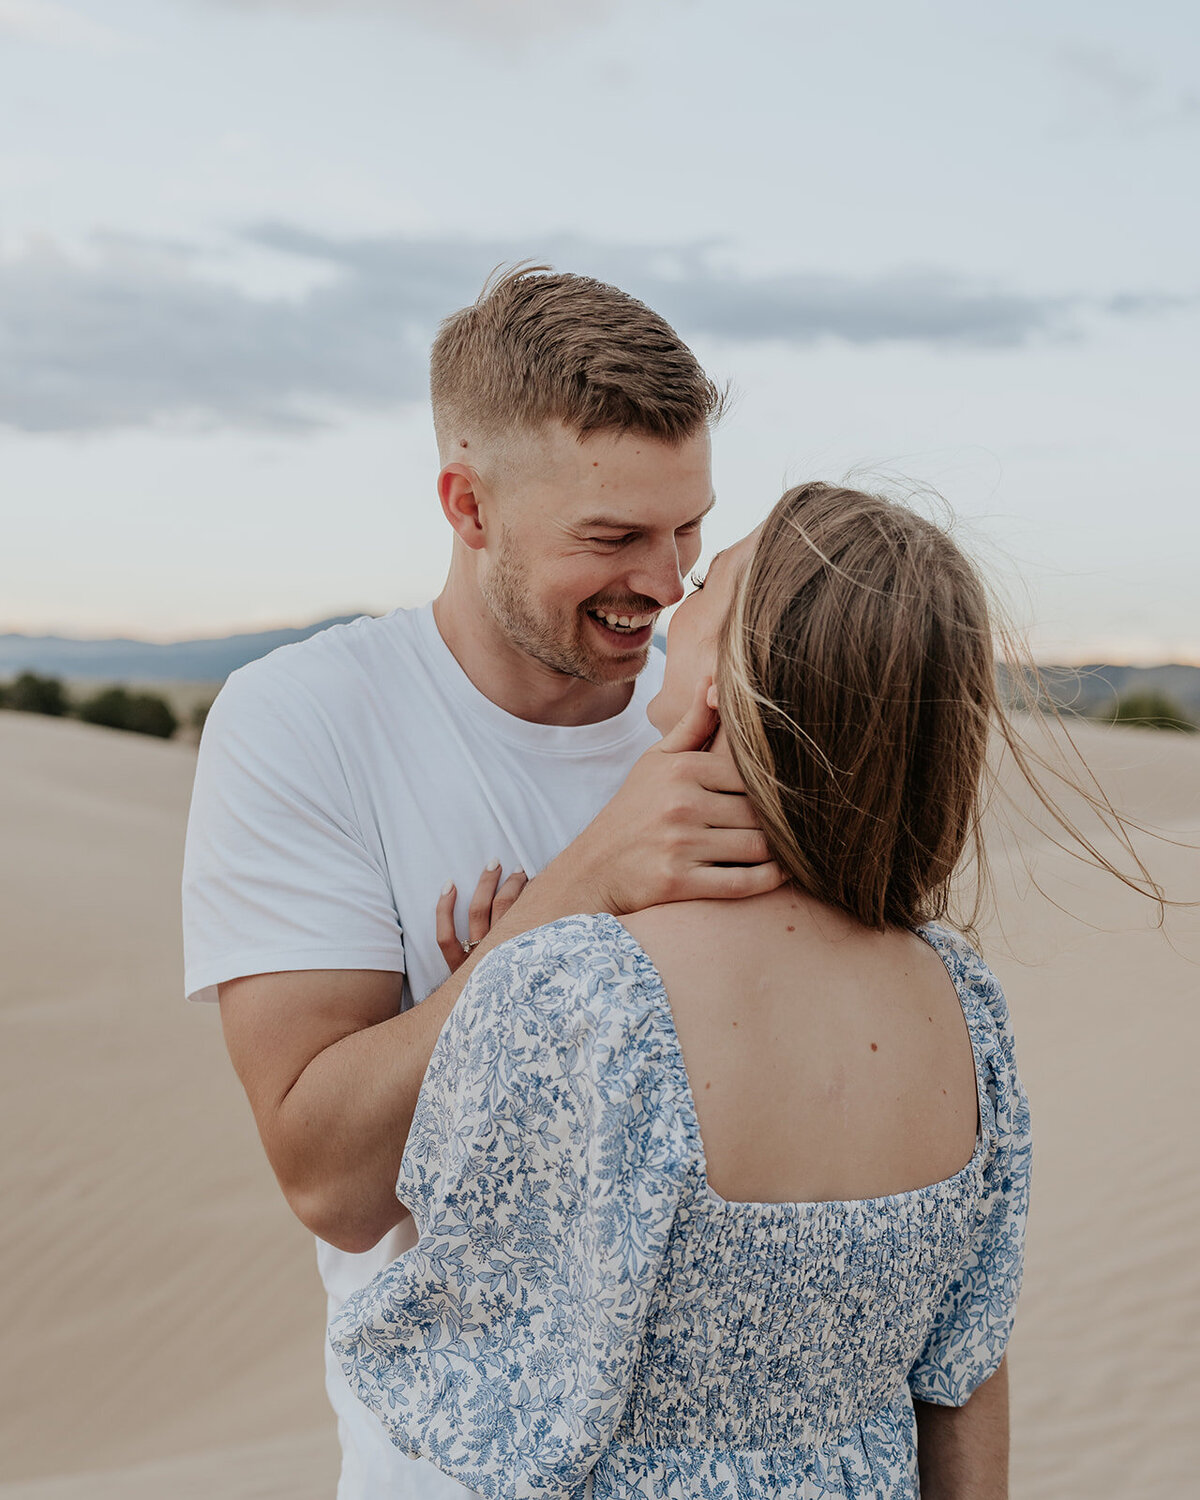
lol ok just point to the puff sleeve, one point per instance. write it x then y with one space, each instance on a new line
543 1170
972 1325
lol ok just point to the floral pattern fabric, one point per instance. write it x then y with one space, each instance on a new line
582 1309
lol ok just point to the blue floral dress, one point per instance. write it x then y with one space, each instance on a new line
582 1310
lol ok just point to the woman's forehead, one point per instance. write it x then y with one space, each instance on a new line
737 551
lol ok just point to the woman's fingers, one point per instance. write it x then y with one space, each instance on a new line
447 939
508 893
479 914
488 904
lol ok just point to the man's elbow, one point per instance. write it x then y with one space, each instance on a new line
341 1221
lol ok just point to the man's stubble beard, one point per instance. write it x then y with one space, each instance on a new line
557 645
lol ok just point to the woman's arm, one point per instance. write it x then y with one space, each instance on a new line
962 1451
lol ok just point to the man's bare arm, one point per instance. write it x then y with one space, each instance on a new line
332 1072
962 1451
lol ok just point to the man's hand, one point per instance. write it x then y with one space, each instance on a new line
681 828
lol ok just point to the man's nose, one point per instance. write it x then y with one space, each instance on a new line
658 576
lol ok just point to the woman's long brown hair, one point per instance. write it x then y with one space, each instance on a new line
857 681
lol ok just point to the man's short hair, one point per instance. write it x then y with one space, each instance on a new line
542 346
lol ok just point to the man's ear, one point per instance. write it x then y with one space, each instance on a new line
459 491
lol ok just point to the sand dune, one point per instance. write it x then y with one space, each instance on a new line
161 1311
158 1300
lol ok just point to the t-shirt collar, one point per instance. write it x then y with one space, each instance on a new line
570 739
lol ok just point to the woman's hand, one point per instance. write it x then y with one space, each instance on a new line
489 903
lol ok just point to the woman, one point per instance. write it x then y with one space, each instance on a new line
727 1199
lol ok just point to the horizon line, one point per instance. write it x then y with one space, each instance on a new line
1071 657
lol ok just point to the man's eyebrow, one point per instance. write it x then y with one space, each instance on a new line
695 521
607 522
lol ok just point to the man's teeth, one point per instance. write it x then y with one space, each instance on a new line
625 622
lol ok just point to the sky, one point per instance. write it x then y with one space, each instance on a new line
943 248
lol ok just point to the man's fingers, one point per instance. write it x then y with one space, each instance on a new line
723 810
696 727
447 939
479 914
712 769
717 773
732 882
508 893
731 846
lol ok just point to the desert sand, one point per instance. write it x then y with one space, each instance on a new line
161 1312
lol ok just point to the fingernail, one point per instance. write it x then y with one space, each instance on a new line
447 888
493 864
521 873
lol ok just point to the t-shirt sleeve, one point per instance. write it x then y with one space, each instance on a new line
543 1170
972 1326
277 873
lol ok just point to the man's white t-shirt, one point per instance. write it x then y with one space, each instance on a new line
341 783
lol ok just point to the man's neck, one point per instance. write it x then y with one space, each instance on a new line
511 678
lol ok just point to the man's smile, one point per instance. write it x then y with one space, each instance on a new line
632 631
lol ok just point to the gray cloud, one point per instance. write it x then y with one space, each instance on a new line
493 19
688 286
54 25
137 334
134 335
1135 95
1105 72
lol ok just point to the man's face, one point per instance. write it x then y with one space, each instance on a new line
592 540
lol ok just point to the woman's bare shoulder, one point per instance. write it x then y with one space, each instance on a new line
677 921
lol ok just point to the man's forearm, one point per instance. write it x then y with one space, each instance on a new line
962 1451
337 1137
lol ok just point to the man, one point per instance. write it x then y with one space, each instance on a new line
344 782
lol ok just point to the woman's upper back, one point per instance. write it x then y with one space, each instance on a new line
827 1061
572 1250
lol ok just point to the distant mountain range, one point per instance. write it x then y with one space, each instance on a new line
146 661
1094 689
1086 690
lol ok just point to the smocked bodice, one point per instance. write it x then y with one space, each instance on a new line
779 1325
582 1307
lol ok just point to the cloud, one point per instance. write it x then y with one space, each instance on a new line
136 332
690 287
495 19
1134 95
134 335
1105 72
54 25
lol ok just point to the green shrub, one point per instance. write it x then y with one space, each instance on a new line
32 694
1150 709
143 713
109 707
150 714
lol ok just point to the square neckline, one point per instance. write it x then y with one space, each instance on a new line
649 976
